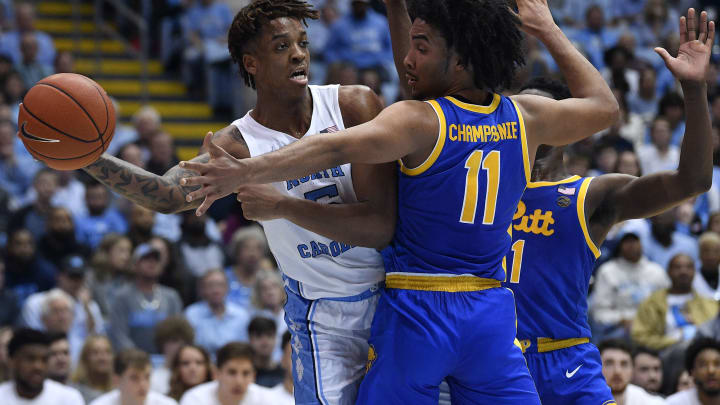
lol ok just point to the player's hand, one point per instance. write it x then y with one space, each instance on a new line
220 176
693 60
535 16
260 202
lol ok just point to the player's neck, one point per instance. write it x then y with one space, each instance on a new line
549 172
283 113
471 95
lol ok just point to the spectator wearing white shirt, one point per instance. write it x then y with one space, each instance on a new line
617 368
234 384
28 351
132 373
660 154
702 360
58 358
190 367
284 390
706 281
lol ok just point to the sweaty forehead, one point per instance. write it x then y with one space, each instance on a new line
420 29
280 26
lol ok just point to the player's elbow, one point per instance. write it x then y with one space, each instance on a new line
610 111
701 185
382 233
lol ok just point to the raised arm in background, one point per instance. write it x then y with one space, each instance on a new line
399 21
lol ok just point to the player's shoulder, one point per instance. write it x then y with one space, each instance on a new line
358 104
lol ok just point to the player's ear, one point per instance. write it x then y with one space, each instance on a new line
249 63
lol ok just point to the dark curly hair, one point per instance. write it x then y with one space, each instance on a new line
484 33
697 346
250 19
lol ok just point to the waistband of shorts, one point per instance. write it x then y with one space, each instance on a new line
439 282
296 287
543 345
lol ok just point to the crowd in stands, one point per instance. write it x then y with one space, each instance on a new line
125 300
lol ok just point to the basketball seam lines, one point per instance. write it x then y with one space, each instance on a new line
56 158
107 115
79 105
55 129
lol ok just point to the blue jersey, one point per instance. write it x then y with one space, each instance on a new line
551 261
455 209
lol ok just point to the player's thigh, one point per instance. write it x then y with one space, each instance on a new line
492 368
408 354
578 378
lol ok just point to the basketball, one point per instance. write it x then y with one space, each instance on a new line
66 120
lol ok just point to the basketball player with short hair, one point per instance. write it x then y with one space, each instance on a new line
465 159
332 284
561 220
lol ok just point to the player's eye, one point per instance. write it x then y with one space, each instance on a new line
282 46
304 43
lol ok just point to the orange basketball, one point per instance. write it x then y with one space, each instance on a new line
67 121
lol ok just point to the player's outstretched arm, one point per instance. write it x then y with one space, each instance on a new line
593 106
399 21
401 129
159 193
627 197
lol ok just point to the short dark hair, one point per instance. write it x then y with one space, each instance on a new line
618 344
285 339
232 351
26 337
484 33
262 326
645 350
671 99
697 346
248 23
56 336
172 328
557 89
130 358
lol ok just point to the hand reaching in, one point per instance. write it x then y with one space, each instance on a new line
693 60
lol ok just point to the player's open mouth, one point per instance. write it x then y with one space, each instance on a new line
411 80
299 76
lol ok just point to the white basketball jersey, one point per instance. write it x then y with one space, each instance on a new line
323 267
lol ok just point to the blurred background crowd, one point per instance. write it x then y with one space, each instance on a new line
102 275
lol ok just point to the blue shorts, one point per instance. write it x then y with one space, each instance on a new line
329 344
570 376
419 338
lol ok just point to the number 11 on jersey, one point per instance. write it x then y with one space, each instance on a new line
491 164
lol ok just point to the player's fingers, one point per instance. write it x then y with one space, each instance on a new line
664 55
194 181
702 37
207 202
683 30
197 194
691 25
194 166
711 35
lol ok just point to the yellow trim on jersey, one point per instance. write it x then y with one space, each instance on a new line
537 184
439 283
581 216
548 344
438 144
482 109
609 402
523 140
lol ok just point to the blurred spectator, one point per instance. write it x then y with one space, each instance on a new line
578 164
132 372
70 193
361 38
284 390
268 299
191 367
141 224
147 123
671 315
64 62
170 335
33 216
101 219
622 284
596 36
111 265
59 358
59 241
617 368
138 307
617 71
373 79
247 248
13 178
25 23
660 154
198 252
25 272
28 351
94 372
162 154
132 153
706 281
647 370
661 238
627 163
702 360
14 91
684 382
657 22
216 320
234 381
263 335
714 223
628 132
9 307
342 73
606 157
645 100
125 135
672 108
5 214
57 316
30 68
6 333
174 275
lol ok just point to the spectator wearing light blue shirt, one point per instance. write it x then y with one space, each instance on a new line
361 38
25 23
661 240
14 178
596 37
216 320
101 219
248 248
